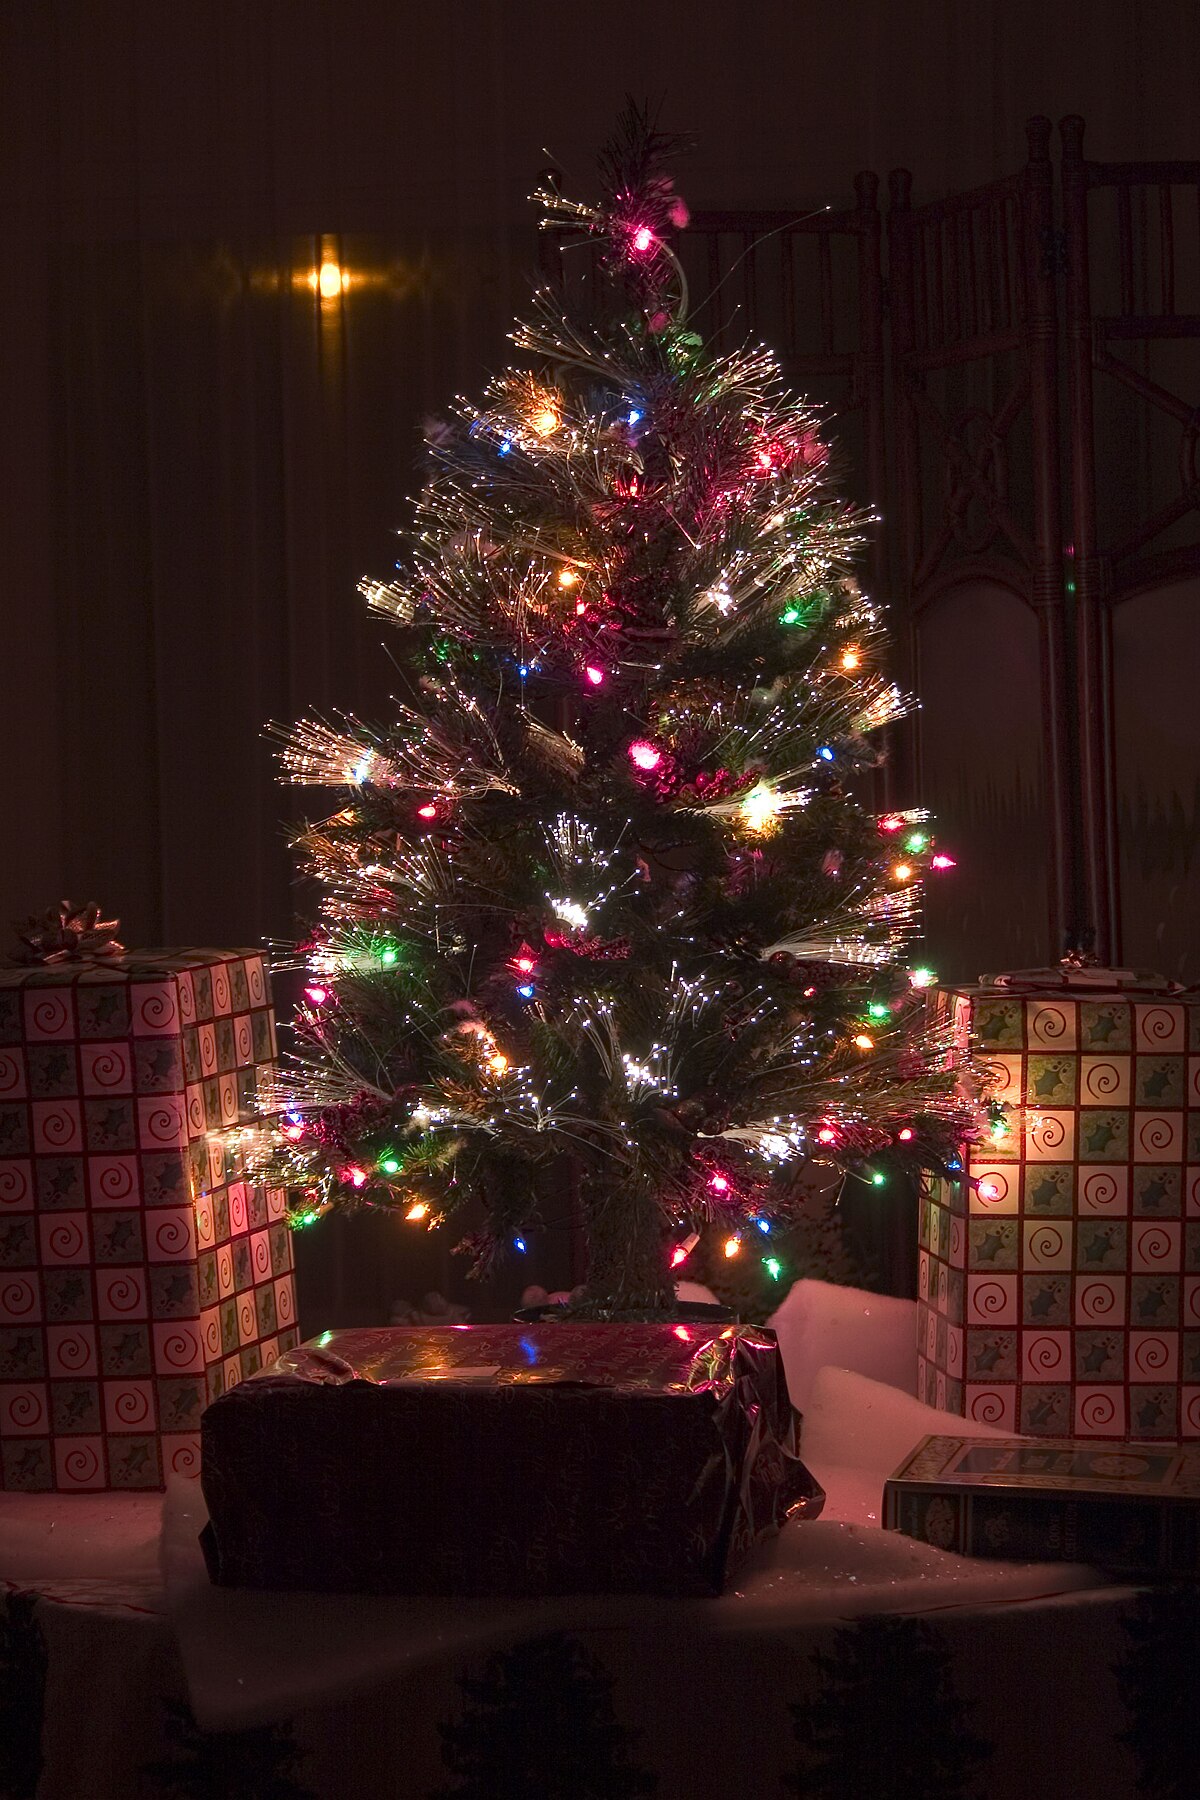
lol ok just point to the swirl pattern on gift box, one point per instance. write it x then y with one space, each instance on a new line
63 1240
262 1260
187 997
256 982
108 1067
922 1269
1151 1355
988 1297
1051 1023
172 1236
247 1318
1099 1190
1101 1080
1096 1411
283 1302
175 1347
132 1408
942 1286
123 1293
993 1188
1048 1133
161 1122
58 1126
112 1178
12 1076
183 1458
18 1299
25 1410
71 1352
195 1111
1155 1244
155 1009
931 1336
1046 1243
1097 1299
228 1099
212 1337
220 988
954 1351
987 1408
1156 1135
957 1240
1045 1355
15 1189
1191 1301
79 1465
1191 1414
1158 1025
243 1041
48 1015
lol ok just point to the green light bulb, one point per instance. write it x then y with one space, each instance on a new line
390 1165
773 1266
388 956
791 616
916 840
878 1010
878 1178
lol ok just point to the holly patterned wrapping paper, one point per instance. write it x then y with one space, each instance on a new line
140 1274
1060 1286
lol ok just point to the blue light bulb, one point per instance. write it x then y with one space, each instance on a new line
526 990
825 753
764 1225
519 1244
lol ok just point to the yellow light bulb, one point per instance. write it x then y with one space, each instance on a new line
732 1246
863 1042
761 808
545 421
568 578
850 659
498 1063
416 1211
330 280
903 872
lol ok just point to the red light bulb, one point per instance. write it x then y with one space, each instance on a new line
317 994
891 823
941 861
645 755
906 1136
594 675
428 811
718 1184
643 237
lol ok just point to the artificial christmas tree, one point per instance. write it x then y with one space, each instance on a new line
599 900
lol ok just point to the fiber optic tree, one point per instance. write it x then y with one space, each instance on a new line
598 899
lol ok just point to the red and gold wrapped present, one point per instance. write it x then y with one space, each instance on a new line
521 1459
1060 1277
140 1273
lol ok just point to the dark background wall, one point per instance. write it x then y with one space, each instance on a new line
199 462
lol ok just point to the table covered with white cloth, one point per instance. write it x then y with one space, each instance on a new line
842 1660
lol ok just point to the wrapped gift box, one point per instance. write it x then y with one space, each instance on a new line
1060 1286
140 1274
1133 1509
529 1459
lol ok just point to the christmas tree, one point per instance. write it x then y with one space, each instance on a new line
599 904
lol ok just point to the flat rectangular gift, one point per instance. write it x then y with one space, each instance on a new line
140 1273
1134 1508
532 1459
1059 1278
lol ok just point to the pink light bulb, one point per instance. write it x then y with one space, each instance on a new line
942 862
594 675
718 1184
644 755
293 1133
678 1255
643 237
317 994
683 1334
428 811
906 1136
356 1177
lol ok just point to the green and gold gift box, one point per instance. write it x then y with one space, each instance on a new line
1060 1272
141 1272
